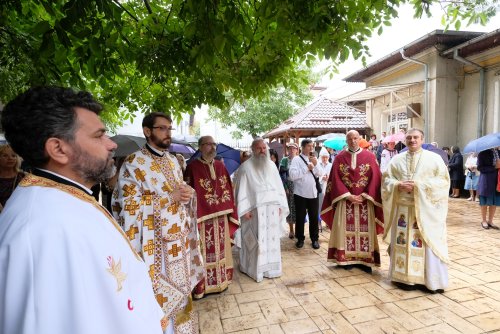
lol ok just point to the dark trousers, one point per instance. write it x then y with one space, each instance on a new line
301 206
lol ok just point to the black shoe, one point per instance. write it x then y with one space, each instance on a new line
436 291
405 287
364 268
299 244
315 244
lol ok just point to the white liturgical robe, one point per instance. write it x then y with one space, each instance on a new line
261 192
66 266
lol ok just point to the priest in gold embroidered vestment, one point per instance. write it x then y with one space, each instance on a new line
217 218
352 207
415 196
158 213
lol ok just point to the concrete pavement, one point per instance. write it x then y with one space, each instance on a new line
314 296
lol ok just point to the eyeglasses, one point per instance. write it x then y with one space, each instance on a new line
163 128
212 144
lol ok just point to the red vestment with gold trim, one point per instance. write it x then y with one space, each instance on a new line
217 222
354 227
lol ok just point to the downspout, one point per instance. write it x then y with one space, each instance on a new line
480 107
426 93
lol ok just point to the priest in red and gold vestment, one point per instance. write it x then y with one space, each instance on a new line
352 207
217 217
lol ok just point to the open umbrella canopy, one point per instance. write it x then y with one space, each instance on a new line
128 144
278 147
336 143
328 136
483 143
394 138
230 155
181 148
432 148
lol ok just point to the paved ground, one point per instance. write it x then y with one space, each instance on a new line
314 296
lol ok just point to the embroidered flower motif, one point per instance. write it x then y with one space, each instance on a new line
365 244
363 176
210 277
210 241
350 243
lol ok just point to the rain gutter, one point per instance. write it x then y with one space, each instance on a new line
480 106
426 92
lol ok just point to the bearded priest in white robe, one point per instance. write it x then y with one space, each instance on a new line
262 208
415 198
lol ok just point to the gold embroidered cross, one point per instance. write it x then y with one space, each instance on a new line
161 299
130 158
174 229
131 232
139 174
163 202
149 247
151 271
155 167
131 206
149 222
129 190
174 208
116 207
174 251
166 187
147 199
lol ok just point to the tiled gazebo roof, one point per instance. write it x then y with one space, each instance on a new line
319 117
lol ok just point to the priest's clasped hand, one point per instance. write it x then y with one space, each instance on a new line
356 199
183 193
406 186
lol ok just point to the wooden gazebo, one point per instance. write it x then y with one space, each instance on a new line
319 117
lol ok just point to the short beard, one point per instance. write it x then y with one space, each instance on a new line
91 168
209 156
158 143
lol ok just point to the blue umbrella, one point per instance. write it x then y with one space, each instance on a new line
230 155
181 148
483 143
432 148
337 143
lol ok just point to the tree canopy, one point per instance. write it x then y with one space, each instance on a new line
258 116
174 55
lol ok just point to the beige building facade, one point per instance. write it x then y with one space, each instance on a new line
435 84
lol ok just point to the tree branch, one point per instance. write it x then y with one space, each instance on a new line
126 11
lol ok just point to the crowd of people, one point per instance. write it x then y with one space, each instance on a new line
169 236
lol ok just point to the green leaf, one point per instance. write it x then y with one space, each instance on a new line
41 28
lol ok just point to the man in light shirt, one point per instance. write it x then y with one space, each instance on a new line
303 171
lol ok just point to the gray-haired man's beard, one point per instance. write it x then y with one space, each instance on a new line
210 155
93 169
259 160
